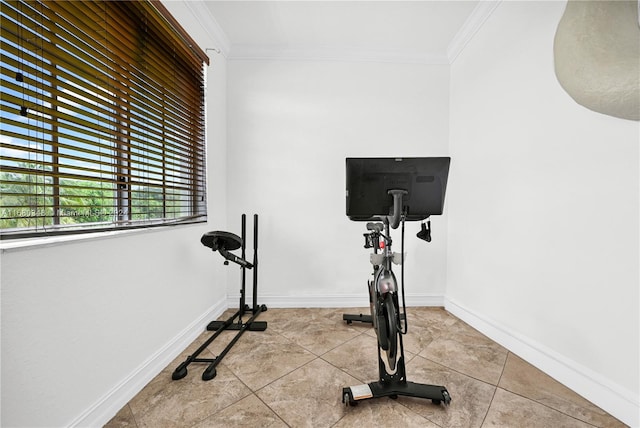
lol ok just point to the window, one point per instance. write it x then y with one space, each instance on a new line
102 118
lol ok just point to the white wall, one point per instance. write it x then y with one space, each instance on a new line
290 126
86 324
543 211
80 318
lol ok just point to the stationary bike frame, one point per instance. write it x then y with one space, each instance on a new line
383 292
386 319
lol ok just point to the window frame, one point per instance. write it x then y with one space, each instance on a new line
177 142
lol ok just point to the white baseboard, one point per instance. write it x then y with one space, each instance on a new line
612 398
331 301
104 409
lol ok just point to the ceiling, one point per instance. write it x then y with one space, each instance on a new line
421 31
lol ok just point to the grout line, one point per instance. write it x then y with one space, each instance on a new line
458 371
550 407
254 392
495 390
526 398
533 400
269 407
135 421
230 404
337 346
489 407
504 366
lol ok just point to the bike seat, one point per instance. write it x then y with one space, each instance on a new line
218 239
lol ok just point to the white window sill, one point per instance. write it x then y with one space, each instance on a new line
48 241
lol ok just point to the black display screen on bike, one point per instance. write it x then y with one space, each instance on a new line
369 180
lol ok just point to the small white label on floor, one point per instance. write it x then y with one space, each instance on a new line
360 392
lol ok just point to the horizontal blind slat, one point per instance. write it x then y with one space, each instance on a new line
114 107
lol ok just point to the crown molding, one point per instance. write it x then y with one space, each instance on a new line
474 22
326 53
210 25
214 31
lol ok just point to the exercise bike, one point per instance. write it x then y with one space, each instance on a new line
384 293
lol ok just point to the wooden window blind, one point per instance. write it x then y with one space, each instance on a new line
102 118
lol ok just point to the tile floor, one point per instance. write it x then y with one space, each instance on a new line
292 375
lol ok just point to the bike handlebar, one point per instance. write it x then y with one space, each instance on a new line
394 219
377 227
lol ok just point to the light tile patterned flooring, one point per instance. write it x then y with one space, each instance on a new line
292 375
